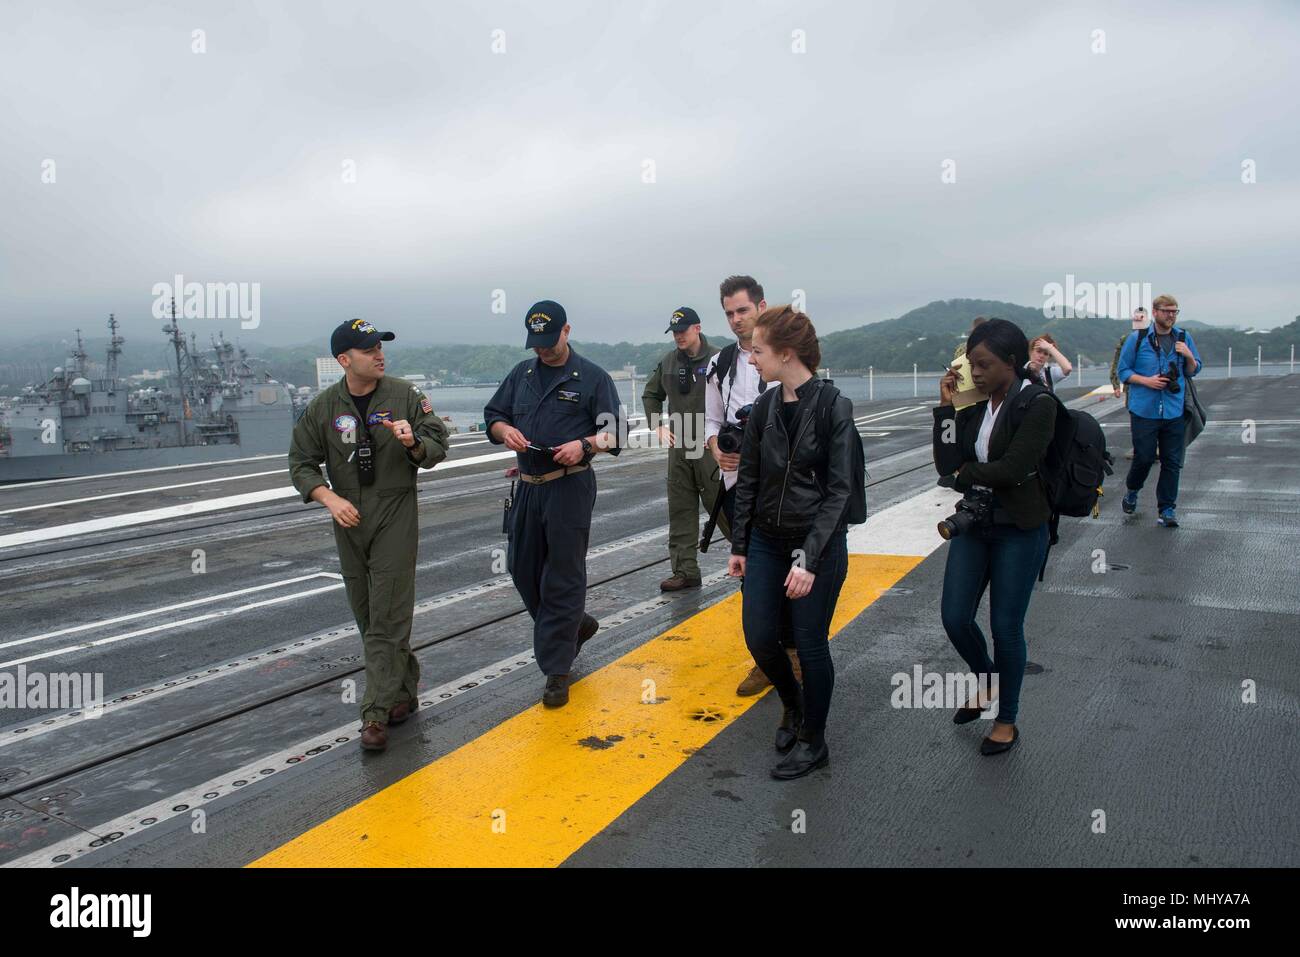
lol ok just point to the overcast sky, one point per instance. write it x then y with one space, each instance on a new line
524 170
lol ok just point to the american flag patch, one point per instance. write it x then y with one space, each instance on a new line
426 406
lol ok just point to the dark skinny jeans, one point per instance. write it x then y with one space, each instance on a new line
764 601
1005 560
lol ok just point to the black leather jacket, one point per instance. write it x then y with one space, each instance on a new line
801 495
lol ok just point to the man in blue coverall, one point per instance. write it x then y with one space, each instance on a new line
556 412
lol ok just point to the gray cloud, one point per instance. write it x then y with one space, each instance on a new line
523 171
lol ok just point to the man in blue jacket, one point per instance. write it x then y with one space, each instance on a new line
1153 363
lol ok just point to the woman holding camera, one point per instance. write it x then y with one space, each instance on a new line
789 535
1000 539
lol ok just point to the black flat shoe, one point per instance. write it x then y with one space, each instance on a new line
966 715
787 732
989 746
807 756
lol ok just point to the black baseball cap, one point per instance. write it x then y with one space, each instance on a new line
356 334
544 322
682 319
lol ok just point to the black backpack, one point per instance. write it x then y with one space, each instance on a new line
855 513
1076 464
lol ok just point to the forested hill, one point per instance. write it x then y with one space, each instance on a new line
925 336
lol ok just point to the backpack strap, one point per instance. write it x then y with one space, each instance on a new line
727 354
1053 524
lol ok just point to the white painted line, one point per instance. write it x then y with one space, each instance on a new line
210 616
161 468
872 419
183 803
166 608
142 491
184 509
905 528
259 659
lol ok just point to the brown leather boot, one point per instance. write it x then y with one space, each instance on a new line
399 713
754 682
678 582
374 736
794 663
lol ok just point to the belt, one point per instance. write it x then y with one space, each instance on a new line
548 476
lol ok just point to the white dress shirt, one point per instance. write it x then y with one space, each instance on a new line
989 421
736 395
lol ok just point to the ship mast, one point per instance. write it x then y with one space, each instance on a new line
78 359
173 330
114 349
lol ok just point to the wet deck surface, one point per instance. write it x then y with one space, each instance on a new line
230 741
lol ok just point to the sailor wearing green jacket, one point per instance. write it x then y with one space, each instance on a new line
373 433
693 477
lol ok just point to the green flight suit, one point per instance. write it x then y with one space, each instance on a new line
693 476
377 557
1114 369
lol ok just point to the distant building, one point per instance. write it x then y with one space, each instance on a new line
328 371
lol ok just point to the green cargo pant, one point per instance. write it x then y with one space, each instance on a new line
377 559
692 483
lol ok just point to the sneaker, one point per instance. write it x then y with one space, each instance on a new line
1130 503
1167 518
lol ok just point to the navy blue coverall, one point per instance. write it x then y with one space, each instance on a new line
549 524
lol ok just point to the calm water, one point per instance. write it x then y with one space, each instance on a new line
464 405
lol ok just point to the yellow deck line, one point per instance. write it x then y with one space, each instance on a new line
535 788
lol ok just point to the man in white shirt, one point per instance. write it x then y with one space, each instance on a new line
732 385
1047 363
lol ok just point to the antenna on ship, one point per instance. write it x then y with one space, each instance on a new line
173 330
114 349
78 359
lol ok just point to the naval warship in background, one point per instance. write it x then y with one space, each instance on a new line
212 409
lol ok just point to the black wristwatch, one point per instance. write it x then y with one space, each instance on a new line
586 447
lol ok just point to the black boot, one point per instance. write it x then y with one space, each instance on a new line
809 754
787 731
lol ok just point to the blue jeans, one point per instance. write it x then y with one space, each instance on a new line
764 602
1168 435
1005 560
729 510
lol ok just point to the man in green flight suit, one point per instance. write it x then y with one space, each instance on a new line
1121 389
693 477
373 432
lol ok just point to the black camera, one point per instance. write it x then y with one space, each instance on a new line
1172 385
975 510
730 437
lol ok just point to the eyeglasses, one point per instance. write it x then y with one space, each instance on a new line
1172 312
